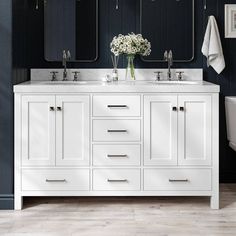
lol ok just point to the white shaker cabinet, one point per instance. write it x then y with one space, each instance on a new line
38 130
116 140
194 130
160 130
55 130
177 130
72 130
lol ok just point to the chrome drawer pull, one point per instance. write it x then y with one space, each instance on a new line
117 131
178 180
117 106
55 180
117 180
122 156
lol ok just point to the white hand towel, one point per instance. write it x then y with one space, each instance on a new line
212 47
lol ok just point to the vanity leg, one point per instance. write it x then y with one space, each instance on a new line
215 202
18 201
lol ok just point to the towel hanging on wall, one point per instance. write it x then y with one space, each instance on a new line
212 47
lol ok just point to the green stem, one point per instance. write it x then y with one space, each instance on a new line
131 66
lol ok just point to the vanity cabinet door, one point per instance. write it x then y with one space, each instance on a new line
194 133
160 130
72 130
38 130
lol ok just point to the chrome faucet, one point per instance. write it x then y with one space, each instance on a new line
65 57
168 56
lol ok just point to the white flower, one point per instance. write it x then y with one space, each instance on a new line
130 44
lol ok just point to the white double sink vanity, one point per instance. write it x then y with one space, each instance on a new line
92 138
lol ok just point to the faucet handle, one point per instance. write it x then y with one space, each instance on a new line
76 75
158 75
54 75
180 75
165 58
68 55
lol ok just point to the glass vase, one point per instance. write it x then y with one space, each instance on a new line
130 70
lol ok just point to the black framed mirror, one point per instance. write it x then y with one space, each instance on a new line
168 25
71 25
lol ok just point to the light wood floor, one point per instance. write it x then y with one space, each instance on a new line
122 216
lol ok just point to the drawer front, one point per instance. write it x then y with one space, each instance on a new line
116 105
116 180
55 179
177 179
116 130
115 155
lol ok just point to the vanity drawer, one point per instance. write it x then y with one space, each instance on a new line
116 179
55 179
116 130
109 105
177 179
115 155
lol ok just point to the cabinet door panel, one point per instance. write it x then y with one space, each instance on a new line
195 130
38 131
160 130
72 133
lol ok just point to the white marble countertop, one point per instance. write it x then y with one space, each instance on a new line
116 87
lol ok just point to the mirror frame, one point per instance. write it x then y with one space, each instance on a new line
193 35
97 37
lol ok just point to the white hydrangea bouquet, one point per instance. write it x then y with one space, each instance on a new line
130 45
